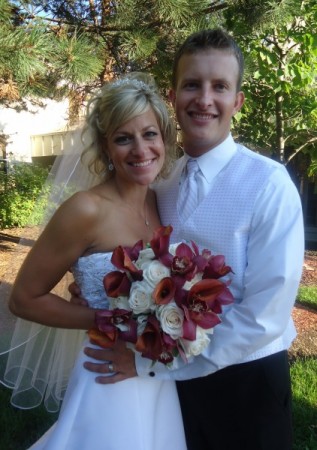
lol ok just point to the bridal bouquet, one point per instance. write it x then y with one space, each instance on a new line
165 299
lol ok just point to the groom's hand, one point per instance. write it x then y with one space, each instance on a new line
118 360
75 292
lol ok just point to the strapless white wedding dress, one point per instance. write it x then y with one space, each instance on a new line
138 414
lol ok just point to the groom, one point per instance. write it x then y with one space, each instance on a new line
237 394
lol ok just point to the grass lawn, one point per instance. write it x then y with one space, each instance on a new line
304 385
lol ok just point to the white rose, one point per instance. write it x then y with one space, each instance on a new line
119 302
155 272
140 299
196 347
145 256
171 318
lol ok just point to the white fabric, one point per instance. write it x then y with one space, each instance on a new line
188 196
138 414
252 215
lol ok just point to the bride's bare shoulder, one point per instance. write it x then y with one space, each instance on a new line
86 204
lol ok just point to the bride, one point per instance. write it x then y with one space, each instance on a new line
131 130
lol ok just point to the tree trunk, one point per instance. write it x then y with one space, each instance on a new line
279 120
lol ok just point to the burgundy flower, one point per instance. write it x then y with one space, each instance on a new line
169 351
216 267
200 305
224 298
119 320
202 260
183 264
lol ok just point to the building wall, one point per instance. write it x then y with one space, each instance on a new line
20 126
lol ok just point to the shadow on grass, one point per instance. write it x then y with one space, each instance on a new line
19 429
305 425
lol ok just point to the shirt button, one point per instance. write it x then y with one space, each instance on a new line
152 374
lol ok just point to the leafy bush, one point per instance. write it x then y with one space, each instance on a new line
23 195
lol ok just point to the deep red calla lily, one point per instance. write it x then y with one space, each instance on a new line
134 251
122 261
117 284
160 245
149 343
164 291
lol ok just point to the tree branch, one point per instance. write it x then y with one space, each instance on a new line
300 148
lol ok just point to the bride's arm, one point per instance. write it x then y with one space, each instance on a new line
66 237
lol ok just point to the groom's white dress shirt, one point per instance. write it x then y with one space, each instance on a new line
249 211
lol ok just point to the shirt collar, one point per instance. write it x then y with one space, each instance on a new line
213 161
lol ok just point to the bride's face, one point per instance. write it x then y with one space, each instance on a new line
137 149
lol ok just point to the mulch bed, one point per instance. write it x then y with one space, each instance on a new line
305 344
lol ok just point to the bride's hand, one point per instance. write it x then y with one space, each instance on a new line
75 292
118 360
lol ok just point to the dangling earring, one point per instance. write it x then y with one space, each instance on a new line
110 166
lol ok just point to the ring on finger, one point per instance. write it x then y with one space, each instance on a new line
110 367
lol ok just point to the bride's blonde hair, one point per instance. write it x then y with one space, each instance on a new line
115 104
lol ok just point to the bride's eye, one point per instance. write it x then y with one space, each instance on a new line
122 140
150 134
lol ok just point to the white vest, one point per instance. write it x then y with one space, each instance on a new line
226 211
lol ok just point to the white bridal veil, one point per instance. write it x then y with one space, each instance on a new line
36 360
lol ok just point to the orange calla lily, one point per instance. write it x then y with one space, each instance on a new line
206 290
104 340
164 291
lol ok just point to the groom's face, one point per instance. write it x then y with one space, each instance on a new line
205 98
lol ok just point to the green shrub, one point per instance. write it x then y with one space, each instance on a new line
20 200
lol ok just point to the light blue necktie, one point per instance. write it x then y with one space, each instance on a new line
188 195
